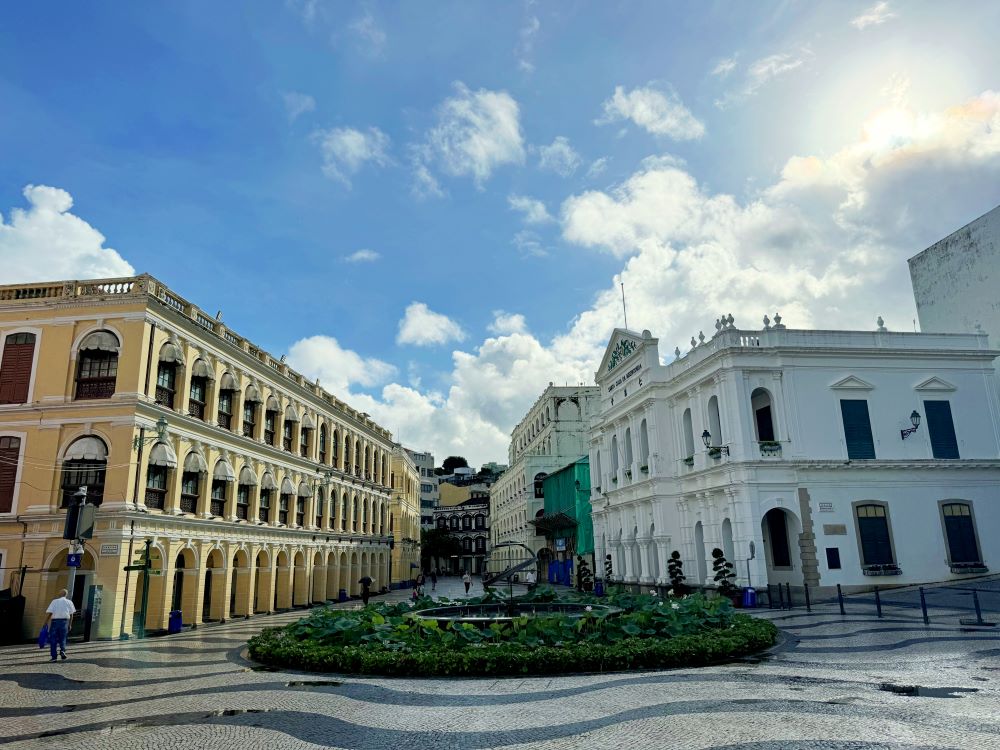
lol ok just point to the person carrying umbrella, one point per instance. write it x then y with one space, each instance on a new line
366 588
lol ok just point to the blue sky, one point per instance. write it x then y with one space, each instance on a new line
502 166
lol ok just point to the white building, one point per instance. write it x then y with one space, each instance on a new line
429 493
810 456
956 281
552 434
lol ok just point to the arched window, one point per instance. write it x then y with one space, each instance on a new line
714 422
336 446
343 512
442 523
960 529
540 484
466 523
614 457
364 516
271 419
628 448
480 521
688 434
201 374
84 465
357 514
357 458
166 374
194 467
227 389
763 419
454 523
248 480
97 368
15 369
347 453
322 443
250 401
267 488
161 460
466 545
480 544
643 446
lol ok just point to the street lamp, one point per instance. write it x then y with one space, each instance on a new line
713 450
141 439
915 421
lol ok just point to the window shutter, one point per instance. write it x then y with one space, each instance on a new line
857 428
962 547
941 429
15 370
9 454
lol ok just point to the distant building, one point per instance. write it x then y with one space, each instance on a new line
429 494
956 281
567 522
469 521
552 434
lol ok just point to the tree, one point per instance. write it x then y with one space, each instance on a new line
724 573
438 543
675 569
453 462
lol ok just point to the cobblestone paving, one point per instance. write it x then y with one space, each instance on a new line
829 684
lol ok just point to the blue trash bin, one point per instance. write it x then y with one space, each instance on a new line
343 595
174 624
598 587
749 598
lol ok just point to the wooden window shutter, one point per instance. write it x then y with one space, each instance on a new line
941 429
857 428
15 369
10 448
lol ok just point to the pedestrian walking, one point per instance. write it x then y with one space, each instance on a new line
58 620
434 580
366 589
420 583
467 580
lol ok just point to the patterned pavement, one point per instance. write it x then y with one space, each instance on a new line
834 682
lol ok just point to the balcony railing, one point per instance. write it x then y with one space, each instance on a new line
242 511
95 388
225 420
196 409
189 503
164 396
155 498
217 507
263 514
248 429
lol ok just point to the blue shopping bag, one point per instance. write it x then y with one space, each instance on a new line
43 637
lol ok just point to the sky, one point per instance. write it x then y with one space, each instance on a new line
430 206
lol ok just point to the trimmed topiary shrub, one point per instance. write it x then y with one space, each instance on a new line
389 640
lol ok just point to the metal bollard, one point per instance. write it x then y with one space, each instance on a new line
923 606
805 589
979 611
878 603
788 593
840 599
781 597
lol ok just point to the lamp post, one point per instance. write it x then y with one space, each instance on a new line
915 421
75 530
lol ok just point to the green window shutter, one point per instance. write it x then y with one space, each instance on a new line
941 429
857 428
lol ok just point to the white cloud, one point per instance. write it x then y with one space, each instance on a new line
526 43
505 323
825 245
559 157
371 37
658 112
362 256
533 209
337 368
476 132
724 67
47 243
760 73
297 104
879 13
597 167
529 244
421 326
346 150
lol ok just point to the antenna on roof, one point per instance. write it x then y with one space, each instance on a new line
624 311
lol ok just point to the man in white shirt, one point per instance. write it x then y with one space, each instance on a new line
60 617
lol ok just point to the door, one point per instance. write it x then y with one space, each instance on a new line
873 529
206 599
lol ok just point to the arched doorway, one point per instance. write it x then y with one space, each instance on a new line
214 594
345 575
184 591
699 553
262 590
239 586
332 576
300 581
780 529
318 579
355 573
283 582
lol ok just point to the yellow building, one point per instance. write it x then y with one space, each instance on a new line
404 522
261 492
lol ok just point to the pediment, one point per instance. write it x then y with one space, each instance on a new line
853 383
622 346
934 384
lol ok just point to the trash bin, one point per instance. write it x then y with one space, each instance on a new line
343 595
749 597
175 624
598 587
